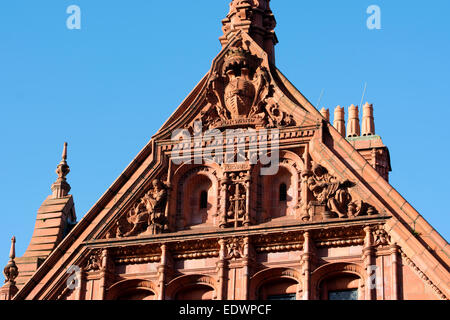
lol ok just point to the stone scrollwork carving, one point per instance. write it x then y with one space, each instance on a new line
334 196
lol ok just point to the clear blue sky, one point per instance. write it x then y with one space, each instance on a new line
107 88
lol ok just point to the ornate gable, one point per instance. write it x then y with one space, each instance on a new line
182 215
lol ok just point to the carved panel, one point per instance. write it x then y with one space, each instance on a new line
332 197
147 215
240 94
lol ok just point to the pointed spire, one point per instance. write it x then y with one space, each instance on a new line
339 120
61 188
326 114
12 252
368 121
353 128
11 271
256 19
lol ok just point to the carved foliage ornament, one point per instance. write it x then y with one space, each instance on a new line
334 196
94 262
234 248
381 237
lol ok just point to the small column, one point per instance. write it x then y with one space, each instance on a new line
162 271
104 273
369 259
305 195
80 289
246 267
221 269
247 182
353 128
368 121
395 266
9 289
306 263
339 120
326 114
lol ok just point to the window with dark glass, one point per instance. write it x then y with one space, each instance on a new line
203 200
289 296
283 192
343 295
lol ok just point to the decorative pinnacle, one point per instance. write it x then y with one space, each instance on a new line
254 18
12 252
64 154
63 169
61 188
11 271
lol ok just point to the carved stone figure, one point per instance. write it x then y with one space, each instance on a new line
234 248
148 215
93 263
334 195
329 191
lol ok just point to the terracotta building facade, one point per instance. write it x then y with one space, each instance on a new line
246 192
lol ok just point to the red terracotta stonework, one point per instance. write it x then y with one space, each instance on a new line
326 225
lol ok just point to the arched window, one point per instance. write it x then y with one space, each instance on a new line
343 287
197 292
283 193
204 200
279 289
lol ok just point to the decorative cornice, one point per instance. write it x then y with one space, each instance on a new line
423 276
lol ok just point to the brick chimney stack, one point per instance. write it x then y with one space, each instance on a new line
326 114
353 128
368 122
363 138
339 120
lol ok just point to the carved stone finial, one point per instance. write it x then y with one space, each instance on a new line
368 122
353 128
254 18
61 188
339 120
11 271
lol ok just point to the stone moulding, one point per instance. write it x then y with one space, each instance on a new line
423 276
